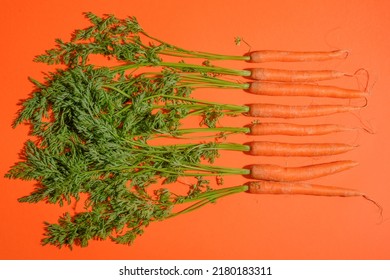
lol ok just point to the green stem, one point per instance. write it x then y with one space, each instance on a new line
217 170
117 90
200 81
217 146
208 69
203 55
244 130
208 197
200 170
233 147
204 168
173 50
227 107
189 67
215 193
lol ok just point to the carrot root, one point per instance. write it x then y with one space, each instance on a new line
300 188
288 112
295 129
279 75
293 56
266 148
274 187
272 172
376 204
290 89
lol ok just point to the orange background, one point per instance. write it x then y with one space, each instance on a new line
242 226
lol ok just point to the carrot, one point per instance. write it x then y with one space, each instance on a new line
279 75
273 187
286 89
266 148
291 174
300 188
290 111
291 56
295 129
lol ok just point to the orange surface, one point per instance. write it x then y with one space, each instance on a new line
243 226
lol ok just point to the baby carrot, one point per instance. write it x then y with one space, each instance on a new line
281 75
287 89
291 174
294 56
300 188
291 111
266 148
295 129
273 187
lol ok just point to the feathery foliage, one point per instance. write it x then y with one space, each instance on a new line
92 126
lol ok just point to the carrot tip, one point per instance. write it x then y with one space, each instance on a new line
346 53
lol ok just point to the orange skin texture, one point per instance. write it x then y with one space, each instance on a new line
295 129
288 188
287 89
281 75
288 112
266 148
291 56
292 174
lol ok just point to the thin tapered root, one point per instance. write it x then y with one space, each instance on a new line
380 208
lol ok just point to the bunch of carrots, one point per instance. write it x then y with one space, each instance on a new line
94 125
